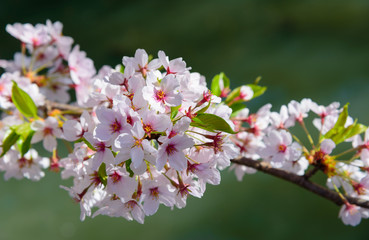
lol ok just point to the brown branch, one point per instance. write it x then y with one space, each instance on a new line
310 173
64 107
300 181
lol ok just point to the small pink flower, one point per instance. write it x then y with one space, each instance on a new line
120 183
172 151
112 123
163 94
350 214
175 66
47 130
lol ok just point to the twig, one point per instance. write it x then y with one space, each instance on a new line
73 109
300 181
310 173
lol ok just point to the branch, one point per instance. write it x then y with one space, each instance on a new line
49 105
310 173
300 181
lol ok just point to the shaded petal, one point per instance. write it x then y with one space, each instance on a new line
137 155
151 205
178 161
49 143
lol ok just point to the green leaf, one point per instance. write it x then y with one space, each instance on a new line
89 145
25 136
23 129
216 86
211 123
23 102
348 132
357 129
340 124
202 110
339 132
9 141
174 111
258 90
257 80
122 69
236 107
128 167
342 118
26 143
235 93
102 174
151 57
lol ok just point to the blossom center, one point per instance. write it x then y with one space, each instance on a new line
282 148
48 131
170 149
154 192
116 177
115 126
184 191
95 178
147 128
129 120
359 188
130 204
143 70
138 142
100 147
160 95
23 162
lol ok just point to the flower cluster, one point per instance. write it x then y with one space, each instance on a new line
149 131
140 132
269 136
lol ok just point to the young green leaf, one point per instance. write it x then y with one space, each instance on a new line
202 110
102 174
211 123
89 145
26 143
350 131
340 124
23 102
339 132
121 69
235 93
218 83
9 141
128 167
357 129
257 89
174 111
236 107
151 57
23 129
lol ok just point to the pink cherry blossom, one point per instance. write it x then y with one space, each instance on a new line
162 94
111 124
133 146
171 151
47 130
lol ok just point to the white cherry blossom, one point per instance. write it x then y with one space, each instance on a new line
47 130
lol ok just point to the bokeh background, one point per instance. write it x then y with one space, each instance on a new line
306 48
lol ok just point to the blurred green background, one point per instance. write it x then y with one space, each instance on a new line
316 49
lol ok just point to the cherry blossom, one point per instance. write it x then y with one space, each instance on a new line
47 130
163 94
171 151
